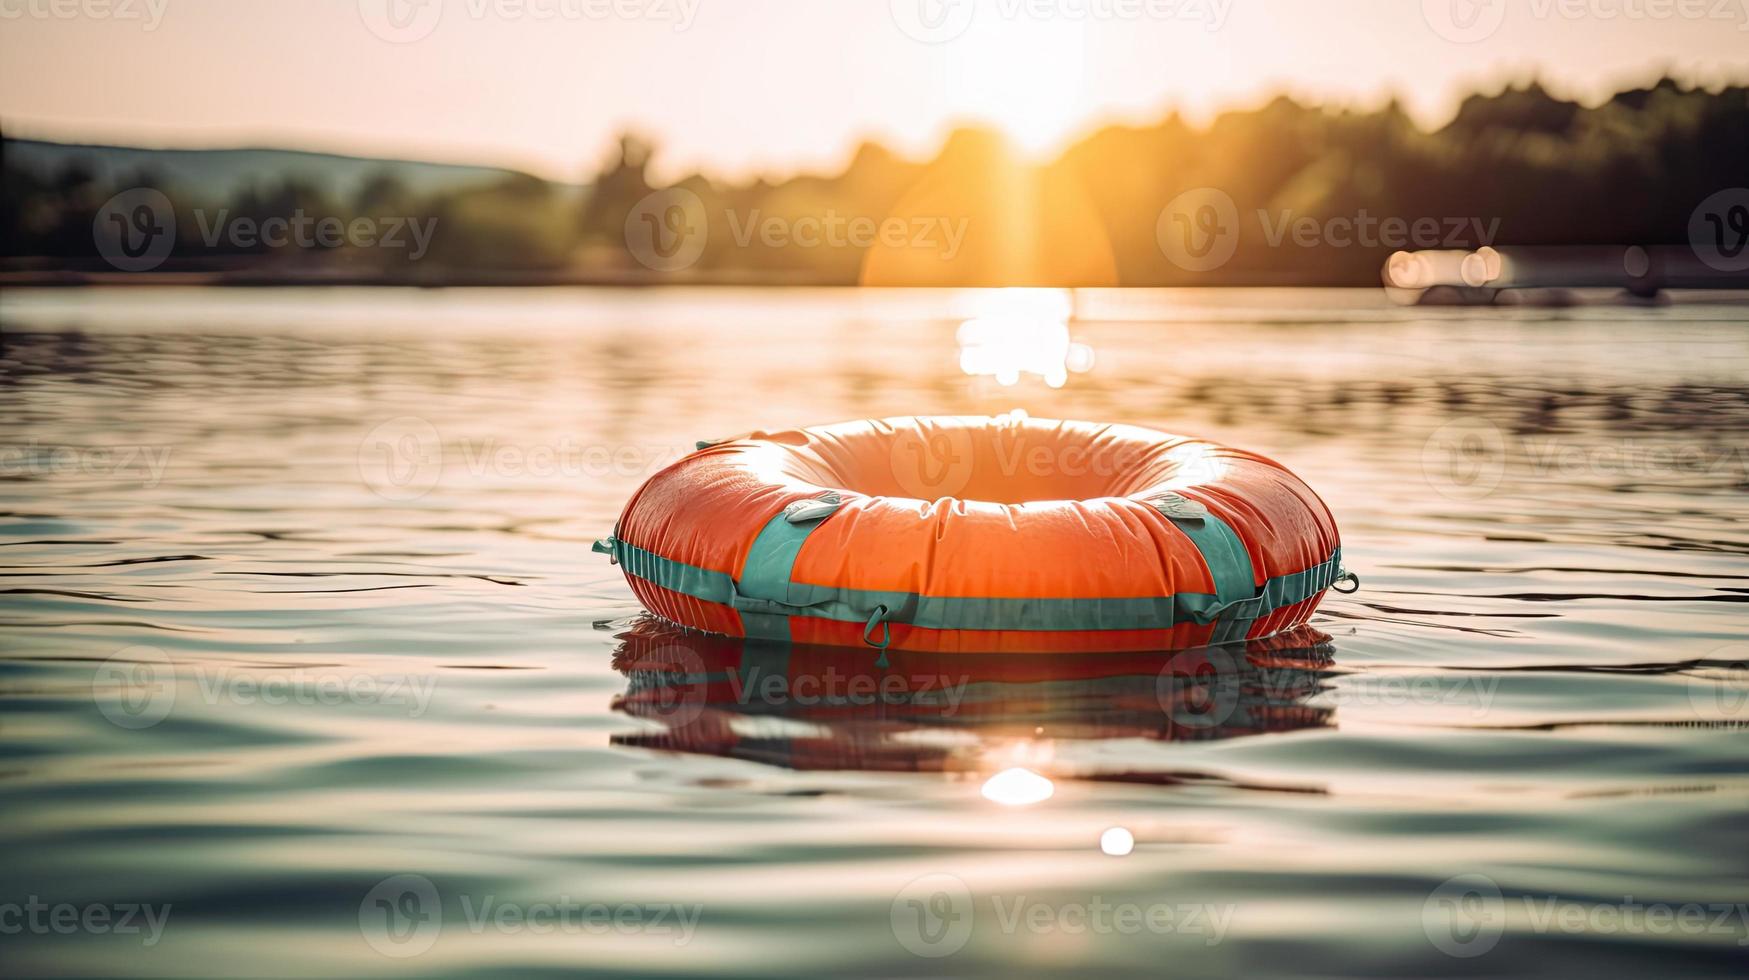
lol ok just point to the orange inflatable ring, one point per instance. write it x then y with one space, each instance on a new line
961 534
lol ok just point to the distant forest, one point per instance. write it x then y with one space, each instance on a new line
1515 167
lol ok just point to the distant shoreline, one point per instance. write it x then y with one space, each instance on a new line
73 278
64 278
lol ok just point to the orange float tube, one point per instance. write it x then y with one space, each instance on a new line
975 534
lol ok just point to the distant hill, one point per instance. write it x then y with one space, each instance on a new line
1285 193
226 173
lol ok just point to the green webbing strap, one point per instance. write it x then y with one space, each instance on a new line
879 618
763 594
1222 550
954 612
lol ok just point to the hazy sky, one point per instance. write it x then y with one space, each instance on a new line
743 86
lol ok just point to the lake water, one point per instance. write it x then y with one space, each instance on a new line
309 669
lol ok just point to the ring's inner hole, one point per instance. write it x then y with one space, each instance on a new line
1008 464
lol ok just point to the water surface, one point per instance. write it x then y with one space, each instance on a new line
304 641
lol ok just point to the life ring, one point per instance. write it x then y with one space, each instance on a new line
968 534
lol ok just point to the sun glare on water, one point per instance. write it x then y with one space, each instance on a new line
1018 787
1022 332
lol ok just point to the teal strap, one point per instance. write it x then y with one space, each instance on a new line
704 444
972 612
766 575
1222 550
764 594
879 618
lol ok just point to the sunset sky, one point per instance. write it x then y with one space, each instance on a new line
738 87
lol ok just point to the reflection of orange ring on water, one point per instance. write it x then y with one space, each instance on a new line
965 534
699 688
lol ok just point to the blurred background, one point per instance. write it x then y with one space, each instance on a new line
910 142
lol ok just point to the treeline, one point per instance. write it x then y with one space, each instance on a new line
1304 183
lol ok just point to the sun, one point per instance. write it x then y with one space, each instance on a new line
1025 76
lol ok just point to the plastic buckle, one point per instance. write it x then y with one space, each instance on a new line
1179 507
803 511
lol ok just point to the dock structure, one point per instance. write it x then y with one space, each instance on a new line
1514 274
